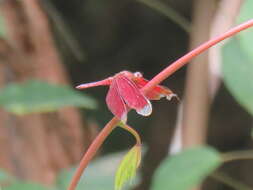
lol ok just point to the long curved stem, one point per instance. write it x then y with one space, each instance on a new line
189 56
92 151
151 84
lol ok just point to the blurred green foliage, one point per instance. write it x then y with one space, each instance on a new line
238 62
25 186
98 176
186 169
238 73
245 38
5 179
37 96
8 182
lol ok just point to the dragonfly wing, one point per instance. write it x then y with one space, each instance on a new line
157 92
133 96
116 103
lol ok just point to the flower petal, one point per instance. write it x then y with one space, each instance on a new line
115 102
132 95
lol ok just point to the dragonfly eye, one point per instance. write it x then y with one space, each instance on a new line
137 74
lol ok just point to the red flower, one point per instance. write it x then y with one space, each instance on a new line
125 93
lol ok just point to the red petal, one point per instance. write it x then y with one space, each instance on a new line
157 92
93 84
132 95
115 102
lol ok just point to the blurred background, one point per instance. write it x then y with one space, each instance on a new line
47 47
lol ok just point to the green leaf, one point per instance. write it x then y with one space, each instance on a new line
246 37
238 62
238 73
38 96
128 166
185 170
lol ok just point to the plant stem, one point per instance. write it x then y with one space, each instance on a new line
189 56
133 132
151 84
237 155
92 151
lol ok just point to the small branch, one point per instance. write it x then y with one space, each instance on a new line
63 30
237 155
229 181
133 132
92 151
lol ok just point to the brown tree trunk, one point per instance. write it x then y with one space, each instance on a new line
35 146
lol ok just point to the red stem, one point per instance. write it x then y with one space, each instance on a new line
189 56
151 84
92 151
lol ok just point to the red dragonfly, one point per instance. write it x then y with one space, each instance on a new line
125 93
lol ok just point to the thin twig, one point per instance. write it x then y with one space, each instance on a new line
63 30
237 155
229 181
169 13
133 132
